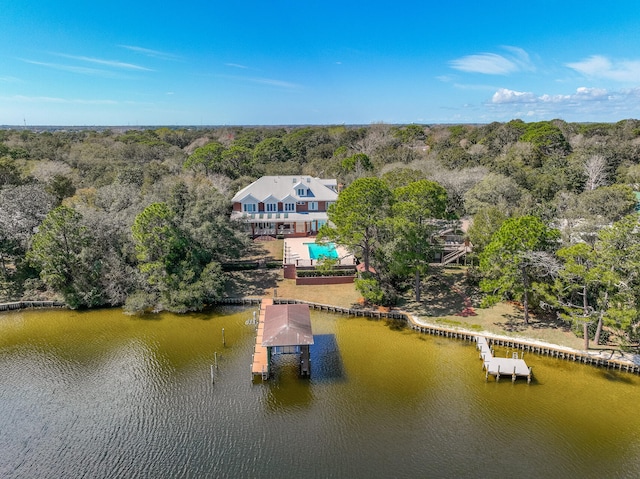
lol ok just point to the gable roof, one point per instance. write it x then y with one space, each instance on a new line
248 197
282 187
287 325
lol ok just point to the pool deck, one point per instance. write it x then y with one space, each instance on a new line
296 251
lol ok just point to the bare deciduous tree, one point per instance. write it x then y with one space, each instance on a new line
44 171
595 168
378 135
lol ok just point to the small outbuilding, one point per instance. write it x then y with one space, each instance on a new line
287 330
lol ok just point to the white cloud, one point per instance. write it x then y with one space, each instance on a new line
597 66
150 53
89 66
488 63
504 95
273 82
72 68
108 63
592 92
263 81
494 64
520 57
585 104
581 94
237 65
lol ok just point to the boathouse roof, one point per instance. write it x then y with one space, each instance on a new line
287 325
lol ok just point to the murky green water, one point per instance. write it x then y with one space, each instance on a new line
104 395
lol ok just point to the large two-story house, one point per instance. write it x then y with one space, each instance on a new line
284 205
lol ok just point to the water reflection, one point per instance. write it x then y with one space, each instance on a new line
616 376
286 389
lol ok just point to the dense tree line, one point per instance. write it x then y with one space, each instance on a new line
140 217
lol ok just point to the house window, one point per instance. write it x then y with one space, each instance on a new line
249 207
272 207
302 191
313 206
289 206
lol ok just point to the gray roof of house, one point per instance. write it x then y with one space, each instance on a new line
287 325
281 187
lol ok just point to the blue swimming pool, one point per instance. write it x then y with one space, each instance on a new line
316 251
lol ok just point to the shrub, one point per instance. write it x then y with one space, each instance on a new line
370 290
314 273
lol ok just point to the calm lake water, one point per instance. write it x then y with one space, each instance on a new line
104 395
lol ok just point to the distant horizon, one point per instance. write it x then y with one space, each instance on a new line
300 125
325 63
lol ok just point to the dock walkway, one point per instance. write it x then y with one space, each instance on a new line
514 366
260 361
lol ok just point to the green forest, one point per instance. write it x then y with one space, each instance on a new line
140 217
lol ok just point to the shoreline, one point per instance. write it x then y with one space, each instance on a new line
614 359
597 358
610 358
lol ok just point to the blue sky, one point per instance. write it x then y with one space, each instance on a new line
75 62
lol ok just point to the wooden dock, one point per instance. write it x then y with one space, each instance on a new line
514 366
260 361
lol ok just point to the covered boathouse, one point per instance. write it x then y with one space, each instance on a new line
285 329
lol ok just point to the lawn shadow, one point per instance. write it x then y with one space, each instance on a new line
256 282
515 323
443 294
264 250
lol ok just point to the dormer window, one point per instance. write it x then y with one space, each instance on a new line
289 206
249 207
271 207
302 192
